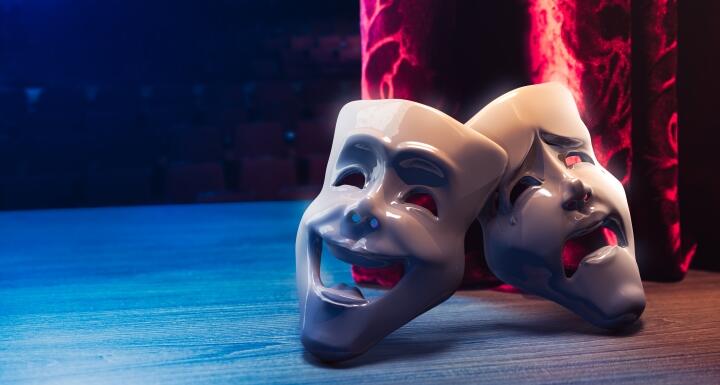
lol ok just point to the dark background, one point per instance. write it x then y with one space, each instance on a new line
699 127
144 102
135 102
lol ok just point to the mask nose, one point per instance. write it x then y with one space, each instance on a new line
362 222
577 194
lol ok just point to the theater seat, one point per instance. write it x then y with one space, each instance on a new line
260 139
185 182
119 187
31 192
313 137
267 178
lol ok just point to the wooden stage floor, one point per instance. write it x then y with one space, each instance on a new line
204 294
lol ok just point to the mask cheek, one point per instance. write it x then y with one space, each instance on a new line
329 205
422 239
537 218
523 245
609 196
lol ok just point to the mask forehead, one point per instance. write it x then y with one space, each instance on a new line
516 118
405 126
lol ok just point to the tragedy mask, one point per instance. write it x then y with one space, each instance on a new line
559 225
403 184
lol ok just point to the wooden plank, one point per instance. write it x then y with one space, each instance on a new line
204 294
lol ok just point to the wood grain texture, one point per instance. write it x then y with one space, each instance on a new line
205 294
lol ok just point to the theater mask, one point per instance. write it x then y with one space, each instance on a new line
559 225
403 184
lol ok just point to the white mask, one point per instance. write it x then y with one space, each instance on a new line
556 202
403 184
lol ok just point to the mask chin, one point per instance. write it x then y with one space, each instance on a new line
606 289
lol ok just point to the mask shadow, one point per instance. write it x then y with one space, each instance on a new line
535 318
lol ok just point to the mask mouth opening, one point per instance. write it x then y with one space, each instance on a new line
477 274
379 277
336 284
586 242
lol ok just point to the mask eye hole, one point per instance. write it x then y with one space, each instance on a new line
523 184
422 199
575 157
352 178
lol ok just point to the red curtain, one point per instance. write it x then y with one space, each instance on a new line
624 80
619 58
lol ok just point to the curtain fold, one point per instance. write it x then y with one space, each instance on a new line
618 57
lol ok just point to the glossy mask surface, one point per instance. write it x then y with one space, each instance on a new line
403 184
559 226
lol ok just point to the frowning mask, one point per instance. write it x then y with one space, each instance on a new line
560 225
403 184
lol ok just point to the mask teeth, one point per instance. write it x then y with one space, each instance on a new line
345 295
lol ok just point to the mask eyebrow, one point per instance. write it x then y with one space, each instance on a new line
417 167
359 149
560 141
422 164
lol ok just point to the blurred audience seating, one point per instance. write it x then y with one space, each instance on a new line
261 137
186 182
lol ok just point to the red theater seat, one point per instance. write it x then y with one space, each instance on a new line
351 49
119 187
313 137
267 177
273 93
317 164
272 98
301 43
195 144
260 139
330 42
186 182
32 192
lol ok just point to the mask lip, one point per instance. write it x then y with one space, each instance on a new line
590 243
364 257
610 222
352 253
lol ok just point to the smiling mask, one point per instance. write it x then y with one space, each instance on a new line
403 184
559 226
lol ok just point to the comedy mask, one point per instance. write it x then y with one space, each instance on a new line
559 226
403 184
